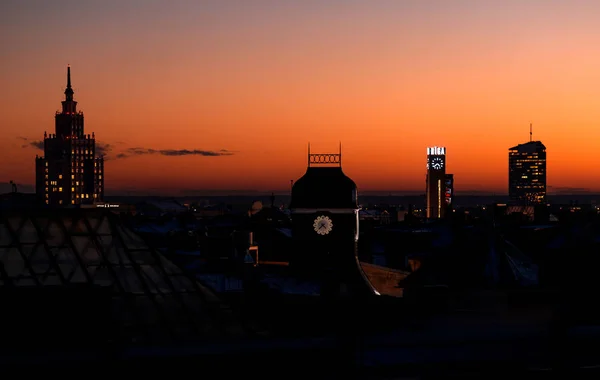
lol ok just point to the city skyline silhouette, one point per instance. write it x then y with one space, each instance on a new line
231 106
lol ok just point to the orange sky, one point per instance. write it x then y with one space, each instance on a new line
263 78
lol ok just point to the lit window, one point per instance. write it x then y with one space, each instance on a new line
60 189
87 196
72 201
100 176
60 202
46 164
72 176
46 176
46 195
94 195
77 196
60 176
46 189
77 183
72 189
46 201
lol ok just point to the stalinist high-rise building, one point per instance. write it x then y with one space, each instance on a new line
69 173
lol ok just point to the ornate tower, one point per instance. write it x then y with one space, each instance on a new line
69 173
325 218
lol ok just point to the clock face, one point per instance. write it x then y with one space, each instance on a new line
323 225
437 163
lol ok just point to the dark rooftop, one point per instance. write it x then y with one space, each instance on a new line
67 257
324 187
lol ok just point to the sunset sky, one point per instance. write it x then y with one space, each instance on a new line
261 79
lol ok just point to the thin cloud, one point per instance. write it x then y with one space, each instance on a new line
102 149
29 143
137 151
107 149
37 144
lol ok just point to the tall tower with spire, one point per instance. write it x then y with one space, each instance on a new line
70 173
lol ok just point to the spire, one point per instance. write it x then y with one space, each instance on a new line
530 132
69 90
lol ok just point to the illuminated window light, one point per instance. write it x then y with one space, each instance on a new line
72 201
60 176
60 202
60 189
72 189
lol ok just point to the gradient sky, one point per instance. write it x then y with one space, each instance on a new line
263 78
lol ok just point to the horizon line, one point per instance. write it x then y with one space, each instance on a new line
366 193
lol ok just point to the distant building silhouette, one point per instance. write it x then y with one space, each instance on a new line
69 173
436 182
449 192
527 173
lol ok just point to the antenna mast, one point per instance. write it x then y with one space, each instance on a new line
530 132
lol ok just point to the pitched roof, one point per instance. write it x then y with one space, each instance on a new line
151 299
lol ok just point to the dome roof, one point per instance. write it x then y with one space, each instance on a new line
324 187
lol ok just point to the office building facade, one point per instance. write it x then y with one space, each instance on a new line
527 173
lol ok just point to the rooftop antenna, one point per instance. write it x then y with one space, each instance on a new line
530 132
308 154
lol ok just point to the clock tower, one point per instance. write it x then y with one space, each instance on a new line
325 218
436 182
